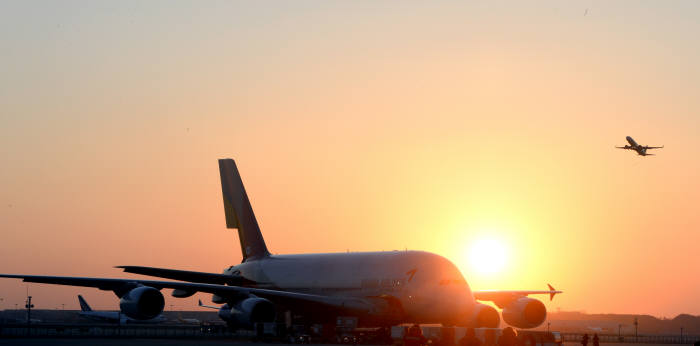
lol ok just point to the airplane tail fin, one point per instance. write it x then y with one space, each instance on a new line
239 212
83 304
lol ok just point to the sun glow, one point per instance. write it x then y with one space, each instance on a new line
488 256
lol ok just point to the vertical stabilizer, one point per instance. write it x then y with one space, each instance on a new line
83 304
239 212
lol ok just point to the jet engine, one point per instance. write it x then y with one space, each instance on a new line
245 313
485 316
525 313
142 303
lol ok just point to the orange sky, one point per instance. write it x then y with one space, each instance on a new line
356 126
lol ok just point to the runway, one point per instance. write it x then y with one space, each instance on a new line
130 342
175 342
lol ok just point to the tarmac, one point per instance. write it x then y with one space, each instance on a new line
185 342
129 342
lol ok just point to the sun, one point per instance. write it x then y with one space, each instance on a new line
488 256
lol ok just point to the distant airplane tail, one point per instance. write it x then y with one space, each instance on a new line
83 304
239 212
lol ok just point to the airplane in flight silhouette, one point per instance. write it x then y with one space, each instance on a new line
640 149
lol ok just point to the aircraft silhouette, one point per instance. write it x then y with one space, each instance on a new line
640 149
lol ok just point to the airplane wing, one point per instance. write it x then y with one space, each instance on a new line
625 147
502 298
122 286
647 147
190 276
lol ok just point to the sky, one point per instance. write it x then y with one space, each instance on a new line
356 126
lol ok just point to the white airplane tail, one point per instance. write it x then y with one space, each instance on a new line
239 212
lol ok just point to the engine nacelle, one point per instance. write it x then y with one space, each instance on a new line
525 313
142 303
485 316
245 313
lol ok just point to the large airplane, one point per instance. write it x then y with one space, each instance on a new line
112 316
640 149
377 288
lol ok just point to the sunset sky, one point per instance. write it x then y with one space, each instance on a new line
356 126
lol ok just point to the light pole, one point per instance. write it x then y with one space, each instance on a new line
29 307
548 324
681 335
636 324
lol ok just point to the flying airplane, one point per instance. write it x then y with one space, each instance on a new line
640 149
378 288
112 316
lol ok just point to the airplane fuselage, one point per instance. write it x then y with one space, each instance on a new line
641 150
428 288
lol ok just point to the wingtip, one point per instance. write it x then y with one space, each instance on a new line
552 292
129 269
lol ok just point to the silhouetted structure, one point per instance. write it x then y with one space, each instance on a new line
414 336
470 339
508 337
